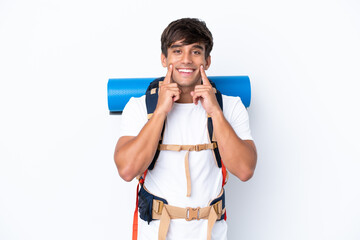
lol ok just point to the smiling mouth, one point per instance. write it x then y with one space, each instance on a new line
185 70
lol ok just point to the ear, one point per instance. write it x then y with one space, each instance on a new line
163 60
207 62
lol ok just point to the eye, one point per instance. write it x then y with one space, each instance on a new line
177 51
197 52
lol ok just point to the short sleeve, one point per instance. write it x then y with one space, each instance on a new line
134 117
236 114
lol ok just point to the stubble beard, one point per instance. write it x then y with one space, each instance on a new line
183 85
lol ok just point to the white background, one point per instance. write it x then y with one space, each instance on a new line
57 175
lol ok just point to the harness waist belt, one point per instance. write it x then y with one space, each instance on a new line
166 212
186 213
152 207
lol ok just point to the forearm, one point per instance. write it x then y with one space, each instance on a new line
132 157
239 156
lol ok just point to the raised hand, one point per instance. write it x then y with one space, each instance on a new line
169 92
205 93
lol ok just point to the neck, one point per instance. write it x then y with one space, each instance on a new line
185 96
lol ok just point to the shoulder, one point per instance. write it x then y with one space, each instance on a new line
135 108
237 115
137 100
135 103
230 103
133 117
230 98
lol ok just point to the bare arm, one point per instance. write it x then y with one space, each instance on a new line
239 156
133 154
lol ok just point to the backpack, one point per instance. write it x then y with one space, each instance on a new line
146 199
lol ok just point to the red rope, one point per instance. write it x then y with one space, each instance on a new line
136 212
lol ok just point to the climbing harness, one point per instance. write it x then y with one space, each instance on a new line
152 207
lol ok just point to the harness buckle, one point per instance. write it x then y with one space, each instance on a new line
192 213
199 147
159 207
218 208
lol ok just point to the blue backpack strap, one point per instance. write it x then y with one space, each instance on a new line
211 127
152 95
151 99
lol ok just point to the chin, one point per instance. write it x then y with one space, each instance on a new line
187 82
184 83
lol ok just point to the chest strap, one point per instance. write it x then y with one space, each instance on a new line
188 148
165 213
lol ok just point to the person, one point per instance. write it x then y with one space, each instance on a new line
186 99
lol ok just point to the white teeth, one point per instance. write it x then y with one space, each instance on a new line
186 70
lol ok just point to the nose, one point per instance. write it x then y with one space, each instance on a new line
187 58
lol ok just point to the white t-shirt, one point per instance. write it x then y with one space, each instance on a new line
186 124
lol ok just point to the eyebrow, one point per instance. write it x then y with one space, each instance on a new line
198 46
180 45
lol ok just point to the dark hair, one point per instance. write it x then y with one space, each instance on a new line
190 30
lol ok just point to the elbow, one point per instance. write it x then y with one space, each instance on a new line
247 172
243 174
246 175
126 174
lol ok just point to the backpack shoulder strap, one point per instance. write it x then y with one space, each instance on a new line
151 95
211 127
151 99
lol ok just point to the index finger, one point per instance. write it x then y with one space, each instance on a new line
167 79
203 76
